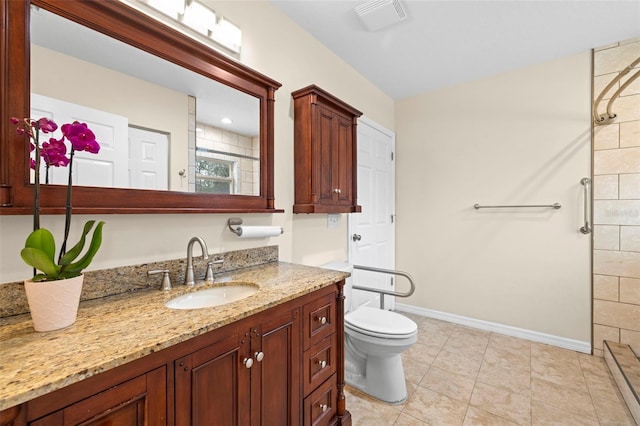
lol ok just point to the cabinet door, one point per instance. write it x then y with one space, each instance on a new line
325 154
212 384
139 401
278 387
343 167
334 145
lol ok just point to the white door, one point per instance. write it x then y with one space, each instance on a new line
108 168
148 159
372 232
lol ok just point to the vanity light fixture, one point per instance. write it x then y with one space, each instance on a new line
200 18
171 8
226 120
195 19
227 34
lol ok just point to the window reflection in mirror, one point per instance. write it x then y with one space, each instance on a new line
160 125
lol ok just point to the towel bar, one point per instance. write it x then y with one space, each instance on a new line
552 206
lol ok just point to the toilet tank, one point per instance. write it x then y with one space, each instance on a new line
348 287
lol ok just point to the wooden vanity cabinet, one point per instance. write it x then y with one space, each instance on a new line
282 366
250 377
325 151
123 398
139 401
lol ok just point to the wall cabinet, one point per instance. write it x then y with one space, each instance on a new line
283 366
325 153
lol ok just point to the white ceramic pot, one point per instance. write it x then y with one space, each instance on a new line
54 304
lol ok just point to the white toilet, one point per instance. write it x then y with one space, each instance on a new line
374 342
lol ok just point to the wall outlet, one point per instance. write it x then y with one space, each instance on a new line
333 220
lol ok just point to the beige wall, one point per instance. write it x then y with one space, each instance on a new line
275 46
521 137
616 193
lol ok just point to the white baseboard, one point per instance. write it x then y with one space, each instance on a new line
535 336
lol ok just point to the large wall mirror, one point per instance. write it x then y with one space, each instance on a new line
182 127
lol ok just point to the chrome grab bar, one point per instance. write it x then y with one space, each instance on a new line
586 182
387 292
553 206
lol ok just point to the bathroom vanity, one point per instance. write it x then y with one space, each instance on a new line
274 358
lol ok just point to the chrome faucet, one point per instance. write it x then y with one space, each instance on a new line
188 275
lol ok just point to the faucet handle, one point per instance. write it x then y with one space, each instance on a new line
166 281
208 277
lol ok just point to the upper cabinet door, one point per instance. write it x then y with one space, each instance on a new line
324 152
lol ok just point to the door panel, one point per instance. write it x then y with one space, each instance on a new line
106 169
212 384
148 159
279 370
375 225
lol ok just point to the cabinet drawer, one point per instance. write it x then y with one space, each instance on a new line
319 363
319 319
320 406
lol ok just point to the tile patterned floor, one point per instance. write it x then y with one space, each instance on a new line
463 376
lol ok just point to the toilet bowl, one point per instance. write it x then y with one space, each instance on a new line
374 342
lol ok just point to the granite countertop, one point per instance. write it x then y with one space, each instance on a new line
113 331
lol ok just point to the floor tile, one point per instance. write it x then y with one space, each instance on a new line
435 408
368 411
515 380
612 412
477 417
459 363
445 382
562 397
502 403
414 370
407 420
544 414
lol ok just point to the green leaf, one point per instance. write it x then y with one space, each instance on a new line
96 241
40 260
42 239
75 251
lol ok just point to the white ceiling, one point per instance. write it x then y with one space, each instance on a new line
443 43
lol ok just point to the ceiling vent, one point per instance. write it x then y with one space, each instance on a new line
378 14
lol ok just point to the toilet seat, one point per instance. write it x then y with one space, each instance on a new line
380 323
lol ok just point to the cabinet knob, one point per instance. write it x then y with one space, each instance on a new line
322 320
356 237
322 364
337 190
259 356
324 407
248 362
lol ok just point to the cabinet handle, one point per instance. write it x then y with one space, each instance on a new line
322 364
322 320
259 356
248 362
337 191
356 237
324 407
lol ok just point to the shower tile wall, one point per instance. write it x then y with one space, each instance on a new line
616 206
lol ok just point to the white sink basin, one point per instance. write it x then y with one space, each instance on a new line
214 296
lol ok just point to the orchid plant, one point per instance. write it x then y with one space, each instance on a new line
39 250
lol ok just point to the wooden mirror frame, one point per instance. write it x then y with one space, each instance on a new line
128 25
